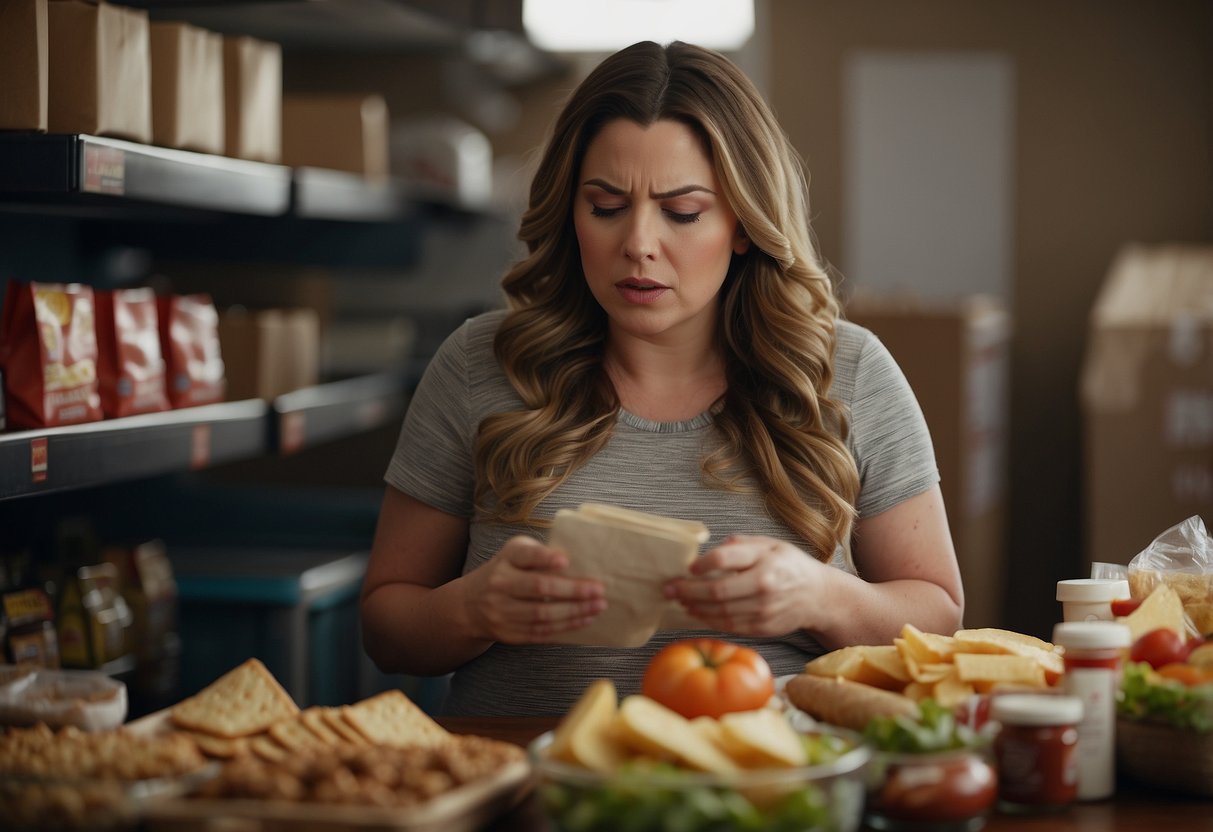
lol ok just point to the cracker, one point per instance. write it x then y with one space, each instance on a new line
221 748
246 700
335 717
294 735
264 746
313 720
391 718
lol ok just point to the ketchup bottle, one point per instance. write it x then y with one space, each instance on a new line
1092 653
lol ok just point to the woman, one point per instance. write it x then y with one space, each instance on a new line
671 345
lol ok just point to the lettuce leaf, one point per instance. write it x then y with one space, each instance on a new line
1147 696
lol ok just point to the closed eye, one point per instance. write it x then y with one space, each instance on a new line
677 217
604 212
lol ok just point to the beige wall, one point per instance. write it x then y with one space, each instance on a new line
1113 143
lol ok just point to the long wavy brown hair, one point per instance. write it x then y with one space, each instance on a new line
780 432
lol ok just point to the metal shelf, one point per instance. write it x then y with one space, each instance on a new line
330 411
323 194
90 171
58 459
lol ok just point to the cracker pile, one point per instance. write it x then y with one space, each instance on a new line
367 775
246 711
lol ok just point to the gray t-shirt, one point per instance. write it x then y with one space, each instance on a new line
646 466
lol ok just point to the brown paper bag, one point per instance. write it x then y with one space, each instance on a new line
633 553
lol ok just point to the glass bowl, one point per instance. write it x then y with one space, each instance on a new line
934 791
648 795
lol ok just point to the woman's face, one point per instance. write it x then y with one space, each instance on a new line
655 232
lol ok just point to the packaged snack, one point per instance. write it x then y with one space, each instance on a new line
130 366
48 348
189 339
87 699
1182 558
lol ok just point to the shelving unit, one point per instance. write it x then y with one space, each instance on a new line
205 206
59 459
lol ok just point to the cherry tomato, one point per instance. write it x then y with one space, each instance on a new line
974 711
708 677
1124 606
1159 647
1201 654
1188 674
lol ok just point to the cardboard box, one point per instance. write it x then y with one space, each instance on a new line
187 87
270 352
99 70
252 92
341 132
956 358
1147 399
23 64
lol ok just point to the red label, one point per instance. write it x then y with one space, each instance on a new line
294 432
104 170
39 458
200 446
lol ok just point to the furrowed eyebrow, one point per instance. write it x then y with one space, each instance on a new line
685 189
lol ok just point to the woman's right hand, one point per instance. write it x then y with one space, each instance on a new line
519 597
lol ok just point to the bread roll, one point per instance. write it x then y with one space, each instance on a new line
844 703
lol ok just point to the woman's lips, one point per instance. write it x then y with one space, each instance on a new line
641 291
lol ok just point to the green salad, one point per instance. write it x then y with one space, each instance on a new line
936 729
648 795
1148 696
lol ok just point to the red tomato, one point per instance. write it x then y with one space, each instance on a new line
708 677
1159 647
1124 606
1188 674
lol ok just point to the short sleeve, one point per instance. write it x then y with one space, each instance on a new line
433 457
889 434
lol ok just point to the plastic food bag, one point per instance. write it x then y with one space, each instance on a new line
130 367
48 347
87 699
1182 558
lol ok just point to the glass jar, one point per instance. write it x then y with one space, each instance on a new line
1036 751
1092 655
934 791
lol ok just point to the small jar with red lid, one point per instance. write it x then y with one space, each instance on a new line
1036 751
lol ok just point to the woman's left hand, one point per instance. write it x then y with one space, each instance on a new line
753 585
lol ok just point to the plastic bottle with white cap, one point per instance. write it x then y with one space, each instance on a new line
1092 655
1090 599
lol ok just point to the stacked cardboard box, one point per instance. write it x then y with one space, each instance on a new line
955 357
1147 398
23 65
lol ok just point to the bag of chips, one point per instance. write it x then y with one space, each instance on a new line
130 366
189 339
48 349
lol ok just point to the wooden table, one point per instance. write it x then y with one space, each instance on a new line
1134 809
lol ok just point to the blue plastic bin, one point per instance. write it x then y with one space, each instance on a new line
296 610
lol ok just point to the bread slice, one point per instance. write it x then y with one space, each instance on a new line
244 701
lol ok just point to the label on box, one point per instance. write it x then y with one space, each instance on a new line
104 170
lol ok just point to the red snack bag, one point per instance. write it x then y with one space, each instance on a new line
189 339
48 348
130 366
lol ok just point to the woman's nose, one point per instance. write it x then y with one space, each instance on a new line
642 241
